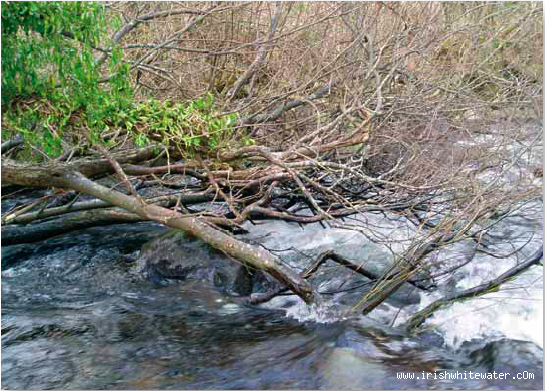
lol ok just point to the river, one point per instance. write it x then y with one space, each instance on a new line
76 315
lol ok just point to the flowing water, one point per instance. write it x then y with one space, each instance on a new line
75 316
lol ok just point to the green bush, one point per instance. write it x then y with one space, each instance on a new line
192 127
50 77
52 92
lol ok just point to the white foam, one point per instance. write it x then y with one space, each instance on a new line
516 312
325 312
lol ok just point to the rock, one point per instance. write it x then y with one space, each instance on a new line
121 239
344 369
299 246
177 256
432 337
507 356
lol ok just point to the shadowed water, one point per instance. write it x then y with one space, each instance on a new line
76 316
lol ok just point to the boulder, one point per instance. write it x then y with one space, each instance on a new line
507 356
177 256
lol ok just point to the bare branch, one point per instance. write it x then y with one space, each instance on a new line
260 57
477 291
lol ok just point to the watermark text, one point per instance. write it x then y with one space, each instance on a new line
465 375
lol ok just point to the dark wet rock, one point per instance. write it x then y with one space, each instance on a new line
432 337
177 256
353 292
514 357
508 354
119 239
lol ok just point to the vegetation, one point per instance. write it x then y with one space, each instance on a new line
50 79
276 109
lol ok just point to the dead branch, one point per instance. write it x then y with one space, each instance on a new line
14 234
128 27
260 57
120 172
490 286
8 145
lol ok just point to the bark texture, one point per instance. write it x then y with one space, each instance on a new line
64 177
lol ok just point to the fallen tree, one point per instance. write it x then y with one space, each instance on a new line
254 256
367 126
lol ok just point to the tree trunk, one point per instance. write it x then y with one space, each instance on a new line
17 234
63 177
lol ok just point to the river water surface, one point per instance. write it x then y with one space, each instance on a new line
74 316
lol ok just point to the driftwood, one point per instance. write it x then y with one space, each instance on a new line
8 145
14 234
258 182
272 188
59 211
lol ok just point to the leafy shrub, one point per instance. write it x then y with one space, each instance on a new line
192 127
52 90
50 77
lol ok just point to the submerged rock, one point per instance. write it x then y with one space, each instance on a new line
344 369
300 245
521 360
177 256
505 354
